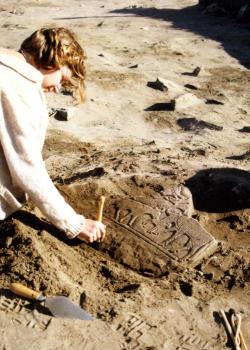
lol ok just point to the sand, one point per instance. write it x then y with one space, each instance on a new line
129 144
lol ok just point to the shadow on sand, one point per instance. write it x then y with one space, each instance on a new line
219 190
232 35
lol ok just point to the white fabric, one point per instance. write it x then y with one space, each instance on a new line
23 122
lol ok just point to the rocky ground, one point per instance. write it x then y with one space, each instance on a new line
139 142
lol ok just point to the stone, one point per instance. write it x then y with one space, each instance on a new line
192 86
163 106
131 287
63 114
154 235
157 85
194 73
8 241
133 66
245 129
193 124
244 156
184 101
211 101
165 85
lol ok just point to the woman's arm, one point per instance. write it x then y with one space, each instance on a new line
21 143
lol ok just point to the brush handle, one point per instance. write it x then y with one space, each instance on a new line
23 291
99 218
102 201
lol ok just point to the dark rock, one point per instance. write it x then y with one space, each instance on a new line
234 221
106 272
244 156
194 73
132 287
96 172
157 85
166 85
83 298
211 101
167 106
192 124
186 288
167 172
245 129
62 114
208 276
133 66
191 87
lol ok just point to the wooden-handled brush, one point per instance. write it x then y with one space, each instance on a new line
101 206
100 211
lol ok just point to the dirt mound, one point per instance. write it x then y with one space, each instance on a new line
35 253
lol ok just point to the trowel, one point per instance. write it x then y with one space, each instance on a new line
59 306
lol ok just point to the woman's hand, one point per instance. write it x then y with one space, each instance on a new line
93 231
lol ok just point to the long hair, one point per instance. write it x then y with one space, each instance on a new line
52 48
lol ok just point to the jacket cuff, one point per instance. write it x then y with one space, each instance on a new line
74 230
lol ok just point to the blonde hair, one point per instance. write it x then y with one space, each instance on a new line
52 48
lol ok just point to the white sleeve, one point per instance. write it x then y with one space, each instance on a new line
19 134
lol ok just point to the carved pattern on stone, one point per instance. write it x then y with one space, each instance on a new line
172 235
181 199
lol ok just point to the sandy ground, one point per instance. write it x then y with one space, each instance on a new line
125 142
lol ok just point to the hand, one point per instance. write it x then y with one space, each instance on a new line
93 231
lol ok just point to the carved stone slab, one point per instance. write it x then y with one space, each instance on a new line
151 235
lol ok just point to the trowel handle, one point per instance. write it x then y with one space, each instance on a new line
25 292
101 205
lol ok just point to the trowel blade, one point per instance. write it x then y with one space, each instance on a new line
61 306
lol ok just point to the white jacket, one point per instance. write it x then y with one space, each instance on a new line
23 122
